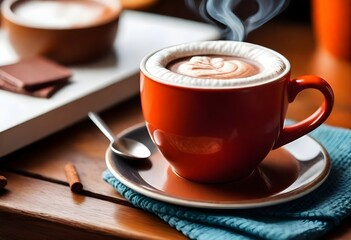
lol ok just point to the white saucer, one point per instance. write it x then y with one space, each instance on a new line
286 174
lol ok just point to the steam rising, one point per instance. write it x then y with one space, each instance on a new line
237 18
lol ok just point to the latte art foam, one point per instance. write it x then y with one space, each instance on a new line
216 67
215 64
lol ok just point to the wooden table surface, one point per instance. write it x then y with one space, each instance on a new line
38 204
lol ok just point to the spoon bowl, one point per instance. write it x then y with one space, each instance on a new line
130 148
125 147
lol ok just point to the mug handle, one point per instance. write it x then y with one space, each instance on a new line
295 131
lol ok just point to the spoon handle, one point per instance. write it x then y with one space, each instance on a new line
101 125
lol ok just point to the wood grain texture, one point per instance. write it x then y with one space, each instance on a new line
82 145
48 204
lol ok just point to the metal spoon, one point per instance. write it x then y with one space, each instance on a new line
124 147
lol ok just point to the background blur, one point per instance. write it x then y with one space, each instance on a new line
297 10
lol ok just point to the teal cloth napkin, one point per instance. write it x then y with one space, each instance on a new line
308 217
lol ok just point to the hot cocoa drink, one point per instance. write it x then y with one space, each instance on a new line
230 64
66 31
215 66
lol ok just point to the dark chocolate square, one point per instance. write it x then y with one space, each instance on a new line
44 92
35 73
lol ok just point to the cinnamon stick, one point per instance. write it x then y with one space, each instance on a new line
3 182
73 178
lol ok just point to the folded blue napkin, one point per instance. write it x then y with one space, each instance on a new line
308 217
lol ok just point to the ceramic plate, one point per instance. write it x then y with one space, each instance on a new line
285 174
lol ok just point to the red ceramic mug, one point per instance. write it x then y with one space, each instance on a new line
213 129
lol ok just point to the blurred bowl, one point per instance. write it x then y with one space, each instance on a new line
67 31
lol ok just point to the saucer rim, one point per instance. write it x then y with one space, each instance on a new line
273 199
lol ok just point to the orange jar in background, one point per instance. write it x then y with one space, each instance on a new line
332 23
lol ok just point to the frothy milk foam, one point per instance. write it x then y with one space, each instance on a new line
215 64
60 14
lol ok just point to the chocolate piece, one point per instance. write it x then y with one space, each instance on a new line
45 92
34 73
